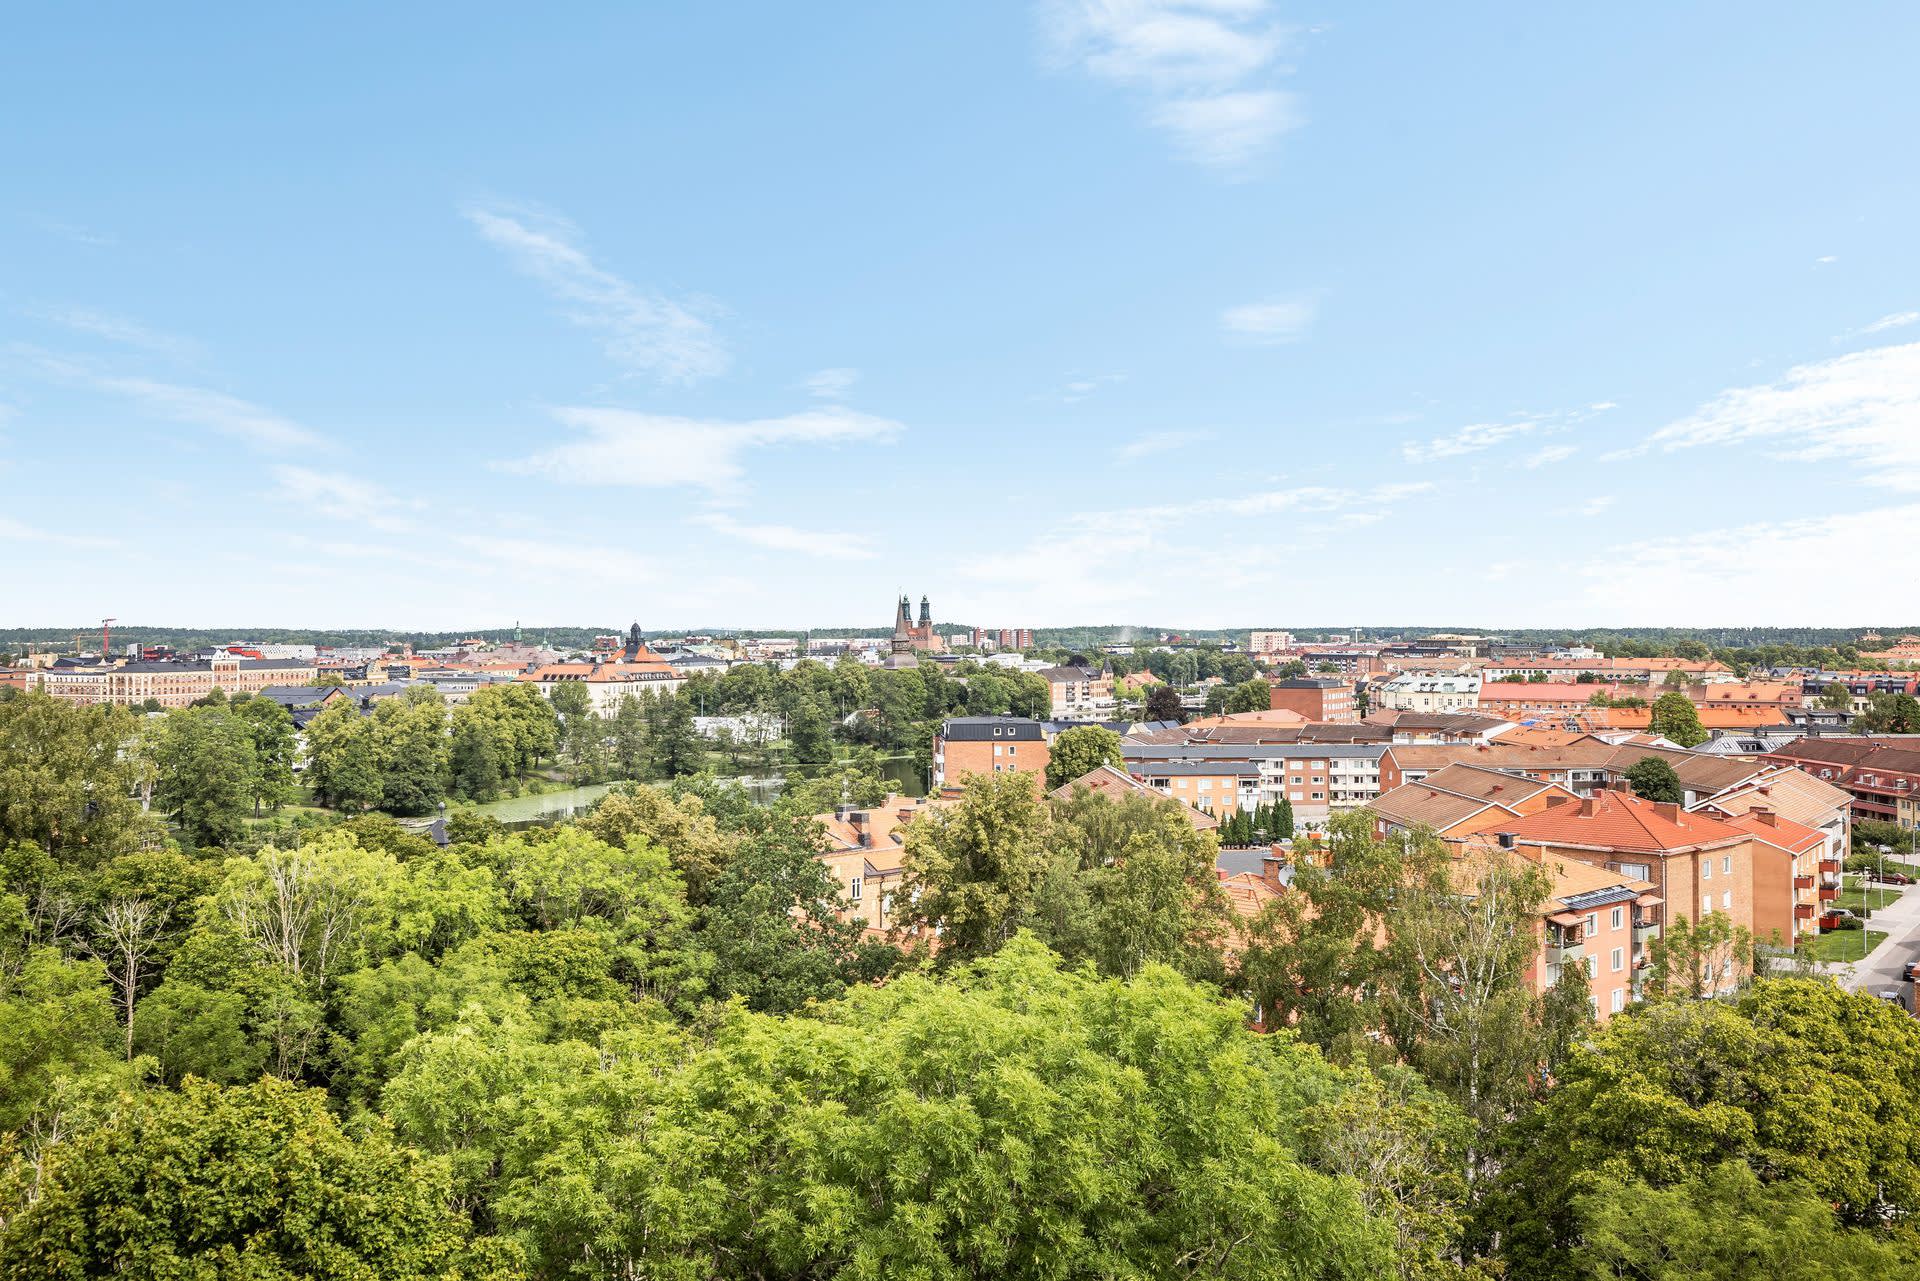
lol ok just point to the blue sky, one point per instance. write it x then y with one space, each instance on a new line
1206 313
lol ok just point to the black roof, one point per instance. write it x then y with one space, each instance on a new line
976 729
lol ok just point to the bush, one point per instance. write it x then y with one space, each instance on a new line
1848 923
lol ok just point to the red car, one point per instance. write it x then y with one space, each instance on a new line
1894 878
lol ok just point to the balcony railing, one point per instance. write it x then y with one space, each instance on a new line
1803 911
1830 865
1565 954
1828 894
1803 882
1645 932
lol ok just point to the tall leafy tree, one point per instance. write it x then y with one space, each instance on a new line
255 1181
1803 1082
67 782
412 737
1653 779
1079 751
976 868
207 772
343 756
274 742
1675 718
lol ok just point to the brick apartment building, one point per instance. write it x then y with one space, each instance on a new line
1316 698
1882 775
967 745
1694 863
170 684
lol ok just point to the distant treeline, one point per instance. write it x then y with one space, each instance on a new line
1629 641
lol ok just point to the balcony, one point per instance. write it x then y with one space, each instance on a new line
1803 882
1830 865
1803 911
1645 932
1828 894
1561 955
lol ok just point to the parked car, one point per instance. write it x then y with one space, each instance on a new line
1894 878
1912 971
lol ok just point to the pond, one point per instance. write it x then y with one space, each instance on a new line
547 807
899 772
554 807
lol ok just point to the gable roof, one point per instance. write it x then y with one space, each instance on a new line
1111 781
1618 821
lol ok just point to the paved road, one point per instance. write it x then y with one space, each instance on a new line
1881 970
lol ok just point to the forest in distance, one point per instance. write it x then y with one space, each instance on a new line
644 1043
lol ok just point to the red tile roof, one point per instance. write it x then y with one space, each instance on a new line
1617 820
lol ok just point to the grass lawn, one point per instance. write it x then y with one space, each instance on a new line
1854 894
1841 945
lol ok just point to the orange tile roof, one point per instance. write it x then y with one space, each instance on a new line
1616 820
1775 830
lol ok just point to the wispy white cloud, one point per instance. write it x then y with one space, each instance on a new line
824 544
1825 259
118 329
14 531
626 447
1269 323
830 384
1597 506
1549 455
642 331
1313 499
1226 130
76 233
1158 442
1206 67
1862 408
217 411
1898 320
1734 574
344 497
1081 386
1467 440
1476 437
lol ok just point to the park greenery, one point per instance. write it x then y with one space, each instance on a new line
652 1043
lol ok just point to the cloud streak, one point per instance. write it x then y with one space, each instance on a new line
1270 323
657 451
821 544
1859 408
1205 67
643 332
242 420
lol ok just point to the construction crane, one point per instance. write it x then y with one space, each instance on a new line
106 638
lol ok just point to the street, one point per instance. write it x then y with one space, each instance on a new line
1881 970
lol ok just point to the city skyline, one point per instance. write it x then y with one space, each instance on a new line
1205 312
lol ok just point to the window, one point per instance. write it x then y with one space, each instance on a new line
1726 865
1593 923
1706 870
1619 999
1619 959
1011 749
1706 904
1319 796
1726 900
1593 967
853 889
1619 917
